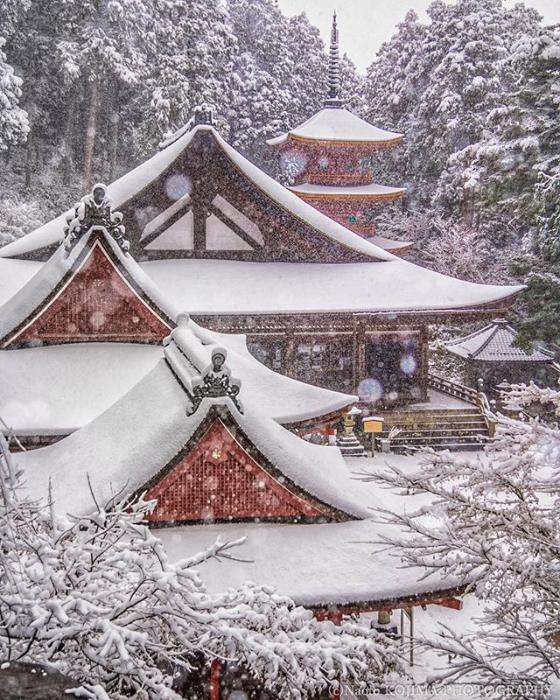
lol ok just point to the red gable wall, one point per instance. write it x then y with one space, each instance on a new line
96 305
219 480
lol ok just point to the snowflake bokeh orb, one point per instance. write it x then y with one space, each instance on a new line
293 162
408 364
177 186
370 390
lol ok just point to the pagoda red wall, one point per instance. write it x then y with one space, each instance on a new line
328 164
348 212
96 305
219 480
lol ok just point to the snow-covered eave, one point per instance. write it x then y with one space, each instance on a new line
393 246
358 193
500 301
322 125
416 594
369 143
52 278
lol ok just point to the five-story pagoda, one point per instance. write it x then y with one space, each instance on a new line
328 160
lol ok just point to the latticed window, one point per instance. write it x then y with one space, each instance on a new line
219 480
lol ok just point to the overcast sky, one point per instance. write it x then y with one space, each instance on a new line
365 24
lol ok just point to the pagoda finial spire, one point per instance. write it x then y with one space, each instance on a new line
333 97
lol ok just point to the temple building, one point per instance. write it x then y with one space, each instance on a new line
491 354
212 233
329 161
217 460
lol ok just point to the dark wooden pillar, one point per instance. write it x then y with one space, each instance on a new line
290 354
424 362
359 353
199 225
215 680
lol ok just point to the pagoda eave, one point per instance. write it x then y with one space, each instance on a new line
346 196
318 140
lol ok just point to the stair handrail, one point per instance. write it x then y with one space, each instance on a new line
477 397
447 386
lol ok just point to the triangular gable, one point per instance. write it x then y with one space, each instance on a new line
178 236
97 300
220 476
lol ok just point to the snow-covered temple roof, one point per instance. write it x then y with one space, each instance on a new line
139 441
129 191
337 125
133 440
323 564
55 390
495 343
230 287
235 287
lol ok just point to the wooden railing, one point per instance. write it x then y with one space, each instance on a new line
459 391
477 397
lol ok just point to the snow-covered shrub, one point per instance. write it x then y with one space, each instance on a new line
17 217
97 597
493 524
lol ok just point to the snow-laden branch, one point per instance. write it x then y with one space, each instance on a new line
97 597
491 522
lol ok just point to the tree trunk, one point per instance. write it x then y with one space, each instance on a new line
29 157
113 144
68 143
91 130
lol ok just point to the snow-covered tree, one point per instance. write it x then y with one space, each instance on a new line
446 245
18 217
540 59
13 119
97 597
493 526
439 83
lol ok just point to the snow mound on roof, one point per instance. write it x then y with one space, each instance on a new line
216 287
337 124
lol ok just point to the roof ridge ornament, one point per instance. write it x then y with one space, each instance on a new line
334 78
216 382
203 114
95 209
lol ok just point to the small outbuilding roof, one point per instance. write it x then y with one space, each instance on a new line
495 343
337 125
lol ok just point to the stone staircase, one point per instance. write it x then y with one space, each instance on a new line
441 429
465 427
350 446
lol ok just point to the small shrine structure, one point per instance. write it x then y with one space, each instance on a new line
329 160
491 354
